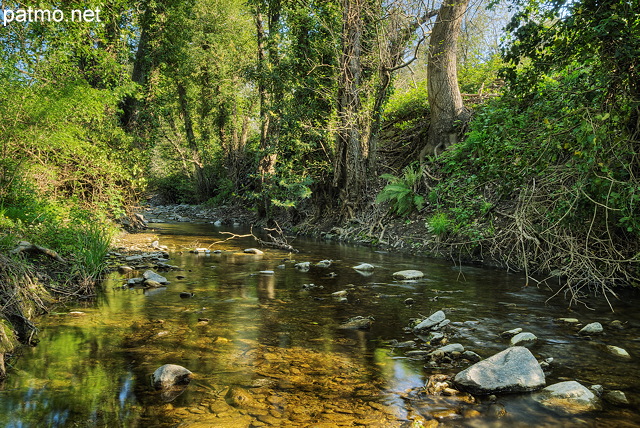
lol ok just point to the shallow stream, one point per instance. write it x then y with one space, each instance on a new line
280 350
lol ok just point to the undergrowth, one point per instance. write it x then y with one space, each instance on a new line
548 184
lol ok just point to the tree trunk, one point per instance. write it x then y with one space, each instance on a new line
140 73
351 150
445 100
202 185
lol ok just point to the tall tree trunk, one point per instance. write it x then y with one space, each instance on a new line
445 100
270 93
351 150
141 71
185 113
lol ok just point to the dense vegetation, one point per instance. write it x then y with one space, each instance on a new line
307 110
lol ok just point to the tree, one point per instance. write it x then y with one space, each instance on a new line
375 38
445 101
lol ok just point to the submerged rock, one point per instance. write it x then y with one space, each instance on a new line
616 397
254 251
241 398
569 396
324 263
513 370
356 323
406 275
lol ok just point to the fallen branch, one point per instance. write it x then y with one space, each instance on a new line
26 247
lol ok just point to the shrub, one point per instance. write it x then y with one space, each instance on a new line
401 192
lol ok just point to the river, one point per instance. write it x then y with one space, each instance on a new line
275 341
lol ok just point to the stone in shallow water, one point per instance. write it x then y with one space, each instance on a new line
569 396
523 339
453 347
364 267
616 397
150 275
170 375
510 333
406 275
513 370
434 320
618 352
593 328
356 323
253 251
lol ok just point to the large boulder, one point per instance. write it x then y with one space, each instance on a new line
569 396
513 370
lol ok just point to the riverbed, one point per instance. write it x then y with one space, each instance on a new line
267 346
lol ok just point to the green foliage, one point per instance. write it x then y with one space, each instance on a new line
78 235
478 75
439 223
176 188
401 192
411 102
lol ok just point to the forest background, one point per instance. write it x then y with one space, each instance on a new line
504 132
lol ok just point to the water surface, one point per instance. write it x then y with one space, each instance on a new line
280 347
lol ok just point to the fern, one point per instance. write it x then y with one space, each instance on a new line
401 192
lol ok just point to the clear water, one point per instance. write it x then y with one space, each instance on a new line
283 347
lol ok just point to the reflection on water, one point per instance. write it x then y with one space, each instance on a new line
267 351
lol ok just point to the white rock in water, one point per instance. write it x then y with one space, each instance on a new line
569 320
254 251
453 347
366 267
522 339
569 396
341 293
303 266
171 375
618 352
406 275
433 320
513 370
267 272
324 263
593 328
